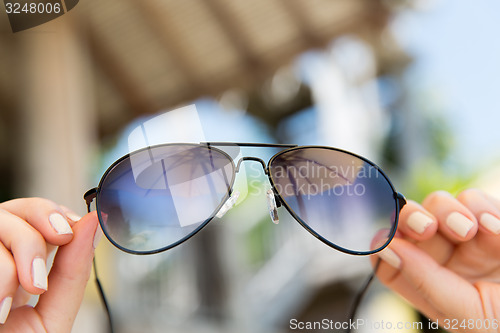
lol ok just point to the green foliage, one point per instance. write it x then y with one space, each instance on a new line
429 175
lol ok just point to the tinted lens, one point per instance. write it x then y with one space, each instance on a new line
342 198
157 197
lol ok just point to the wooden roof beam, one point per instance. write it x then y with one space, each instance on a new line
238 38
164 31
132 93
296 12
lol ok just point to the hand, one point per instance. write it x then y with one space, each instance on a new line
445 260
29 229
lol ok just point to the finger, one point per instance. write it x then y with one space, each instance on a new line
8 282
455 221
493 198
28 249
433 289
483 208
68 277
416 222
438 248
73 217
45 216
71 214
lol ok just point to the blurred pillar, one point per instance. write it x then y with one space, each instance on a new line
57 115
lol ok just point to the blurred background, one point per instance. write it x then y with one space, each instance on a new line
411 85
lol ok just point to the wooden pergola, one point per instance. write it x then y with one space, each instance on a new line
154 54
87 74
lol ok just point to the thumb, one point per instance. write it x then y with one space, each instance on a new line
436 291
59 305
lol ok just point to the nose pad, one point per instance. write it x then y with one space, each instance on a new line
273 209
228 204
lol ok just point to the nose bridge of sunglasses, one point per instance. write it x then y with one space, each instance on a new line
273 202
251 158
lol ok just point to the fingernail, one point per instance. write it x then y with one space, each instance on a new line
418 222
490 222
97 236
60 225
73 216
39 272
460 224
390 257
5 309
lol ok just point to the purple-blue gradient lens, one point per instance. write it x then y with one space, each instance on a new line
339 196
159 196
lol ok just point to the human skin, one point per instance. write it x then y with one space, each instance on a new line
445 260
30 229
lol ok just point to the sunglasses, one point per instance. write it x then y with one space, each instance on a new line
156 198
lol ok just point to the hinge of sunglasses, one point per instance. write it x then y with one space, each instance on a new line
89 196
228 204
401 200
273 208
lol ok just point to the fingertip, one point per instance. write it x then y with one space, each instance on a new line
8 282
90 223
39 274
416 222
455 220
5 306
60 224
435 198
483 208
463 227
391 258
384 264
81 244
490 223
71 214
423 225
34 278
388 261
48 218
30 260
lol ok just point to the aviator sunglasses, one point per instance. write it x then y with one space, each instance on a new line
158 197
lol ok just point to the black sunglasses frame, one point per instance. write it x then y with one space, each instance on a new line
92 194
400 200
